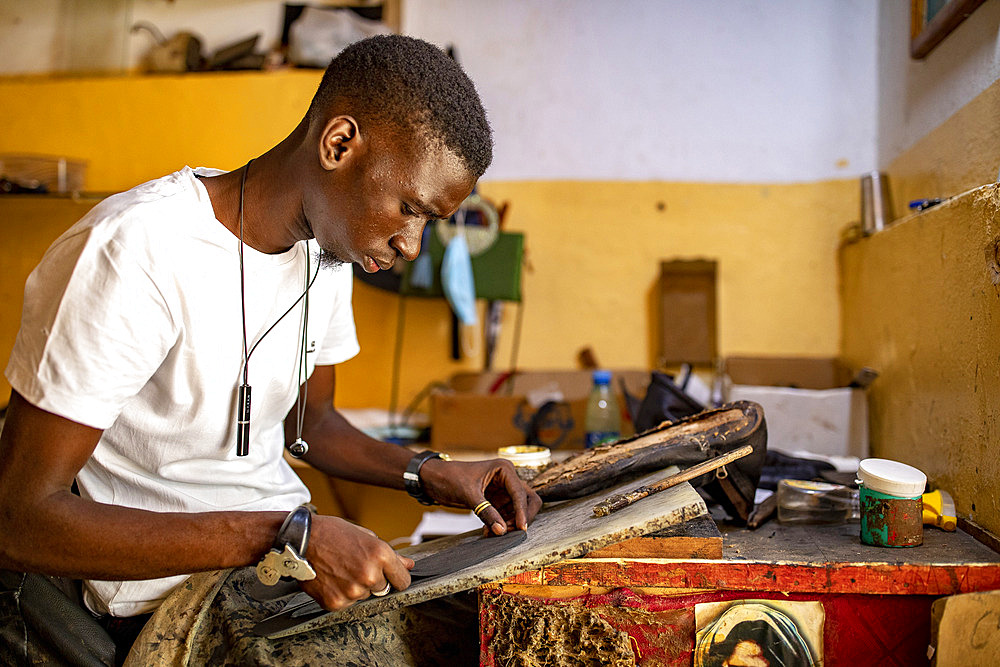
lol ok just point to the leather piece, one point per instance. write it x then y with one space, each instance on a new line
463 555
302 608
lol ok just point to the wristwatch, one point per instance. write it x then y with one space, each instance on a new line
287 558
411 478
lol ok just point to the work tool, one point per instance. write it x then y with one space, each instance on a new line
616 502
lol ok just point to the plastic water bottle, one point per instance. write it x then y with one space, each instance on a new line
603 420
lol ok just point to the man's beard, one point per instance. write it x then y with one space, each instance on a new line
327 259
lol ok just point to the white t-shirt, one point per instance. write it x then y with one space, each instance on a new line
132 324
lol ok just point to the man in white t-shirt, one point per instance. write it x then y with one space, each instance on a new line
128 459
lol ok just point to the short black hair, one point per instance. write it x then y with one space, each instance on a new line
406 83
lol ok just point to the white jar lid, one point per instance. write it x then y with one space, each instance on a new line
892 478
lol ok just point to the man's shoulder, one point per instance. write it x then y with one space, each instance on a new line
154 213
168 195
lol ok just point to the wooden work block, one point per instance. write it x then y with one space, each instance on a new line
697 538
964 629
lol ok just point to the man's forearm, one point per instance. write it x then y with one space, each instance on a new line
46 528
339 449
69 536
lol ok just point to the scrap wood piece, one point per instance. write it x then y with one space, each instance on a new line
618 501
695 538
686 442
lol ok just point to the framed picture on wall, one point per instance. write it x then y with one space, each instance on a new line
932 20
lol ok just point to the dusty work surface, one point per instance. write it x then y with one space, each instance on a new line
561 530
775 542
796 559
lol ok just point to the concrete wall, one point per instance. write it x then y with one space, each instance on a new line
782 91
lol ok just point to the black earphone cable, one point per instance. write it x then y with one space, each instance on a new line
243 397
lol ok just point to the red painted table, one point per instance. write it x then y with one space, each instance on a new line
875 601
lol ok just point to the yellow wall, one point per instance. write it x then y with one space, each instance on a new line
962 153
132 129
594 248
921 304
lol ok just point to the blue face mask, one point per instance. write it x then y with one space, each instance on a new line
422 274
456 279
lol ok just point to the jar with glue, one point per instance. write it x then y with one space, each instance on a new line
891 503
528 460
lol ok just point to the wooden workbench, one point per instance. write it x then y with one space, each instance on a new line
619 610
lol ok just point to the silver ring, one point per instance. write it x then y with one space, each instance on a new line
384 591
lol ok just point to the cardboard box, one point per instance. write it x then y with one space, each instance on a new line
474 418
817 413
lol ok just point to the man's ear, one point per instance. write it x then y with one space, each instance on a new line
340 139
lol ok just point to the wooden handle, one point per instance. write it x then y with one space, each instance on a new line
616 502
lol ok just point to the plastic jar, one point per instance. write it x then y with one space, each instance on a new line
891 495
528 460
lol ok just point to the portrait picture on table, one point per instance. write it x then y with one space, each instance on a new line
759 633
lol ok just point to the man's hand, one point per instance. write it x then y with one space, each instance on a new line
351 563
469 483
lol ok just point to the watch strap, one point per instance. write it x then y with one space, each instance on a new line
411 478
295 530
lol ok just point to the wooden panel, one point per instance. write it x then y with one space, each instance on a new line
819 559
884 630
697 538
751 576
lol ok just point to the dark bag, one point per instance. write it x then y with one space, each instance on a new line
665 401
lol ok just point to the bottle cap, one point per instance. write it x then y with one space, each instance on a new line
602 377
892 478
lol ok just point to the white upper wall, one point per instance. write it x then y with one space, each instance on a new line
687 90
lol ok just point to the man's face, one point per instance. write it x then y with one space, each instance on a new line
373 209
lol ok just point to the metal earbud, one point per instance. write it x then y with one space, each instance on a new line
298 448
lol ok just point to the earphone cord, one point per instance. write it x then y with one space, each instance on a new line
304 295
300 405
243 285
243 392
